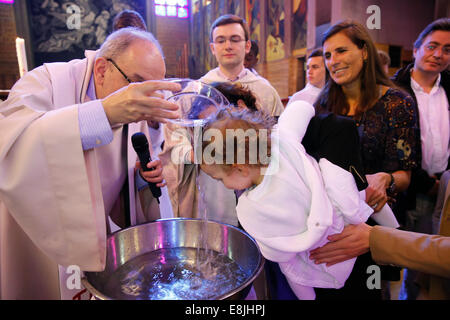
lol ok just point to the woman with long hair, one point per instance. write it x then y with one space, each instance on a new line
359 88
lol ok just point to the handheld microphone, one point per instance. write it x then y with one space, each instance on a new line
140 145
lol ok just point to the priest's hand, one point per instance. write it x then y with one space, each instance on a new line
141 101
153 176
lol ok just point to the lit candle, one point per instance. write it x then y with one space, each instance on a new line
21 56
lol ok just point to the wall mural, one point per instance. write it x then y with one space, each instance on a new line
234 7
299 8
208 13
220 7
275 30
204 12
61 30
252 15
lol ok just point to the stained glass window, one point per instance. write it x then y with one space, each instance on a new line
172 8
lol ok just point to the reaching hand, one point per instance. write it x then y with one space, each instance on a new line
376 195
352 242
140 101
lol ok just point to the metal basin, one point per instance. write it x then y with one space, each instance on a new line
166 259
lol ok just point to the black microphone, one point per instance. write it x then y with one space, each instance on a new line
140 145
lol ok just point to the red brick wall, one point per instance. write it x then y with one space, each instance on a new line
173 35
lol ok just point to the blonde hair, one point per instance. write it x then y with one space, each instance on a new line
245 134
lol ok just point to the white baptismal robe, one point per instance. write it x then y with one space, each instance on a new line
52 193
300 204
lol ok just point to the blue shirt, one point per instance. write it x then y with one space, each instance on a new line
95 129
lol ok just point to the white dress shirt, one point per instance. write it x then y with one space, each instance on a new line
309 94
434 126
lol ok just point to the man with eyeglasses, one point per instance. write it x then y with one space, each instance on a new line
66 161
427 80
229 43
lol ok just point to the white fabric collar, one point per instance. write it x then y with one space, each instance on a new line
417 87
241 75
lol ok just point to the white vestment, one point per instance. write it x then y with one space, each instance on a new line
55 197
267 98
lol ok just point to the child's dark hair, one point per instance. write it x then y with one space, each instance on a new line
232 91
235 92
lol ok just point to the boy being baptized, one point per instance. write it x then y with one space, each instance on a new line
293 202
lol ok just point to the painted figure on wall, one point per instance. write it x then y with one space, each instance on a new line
63 29
253 19
220 8
208 19
234 7
299 8
275 36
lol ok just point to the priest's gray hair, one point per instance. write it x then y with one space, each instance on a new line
118 41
